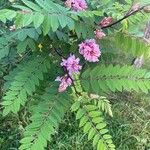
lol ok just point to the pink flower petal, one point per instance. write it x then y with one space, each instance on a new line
76 5
90 50
71 64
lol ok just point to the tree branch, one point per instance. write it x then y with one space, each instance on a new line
125 17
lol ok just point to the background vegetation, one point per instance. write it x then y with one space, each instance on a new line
130 125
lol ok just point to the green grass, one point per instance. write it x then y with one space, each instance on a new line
130 127
9 133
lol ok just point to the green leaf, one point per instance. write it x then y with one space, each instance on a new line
26 20
80 113
32 5
92 121
91 134
45 119
101 145
38 19
54 22
97 119
96 139
83 121
23 83
87 127
95 113
4 52
114 78
75 106
101 125
46 25
62 20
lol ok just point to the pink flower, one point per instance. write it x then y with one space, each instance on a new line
71 64
65 82
76 5
90 50
99 34
106 21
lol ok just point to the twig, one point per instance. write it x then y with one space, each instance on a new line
125 17
58 53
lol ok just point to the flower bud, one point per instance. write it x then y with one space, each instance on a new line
99 34
106 21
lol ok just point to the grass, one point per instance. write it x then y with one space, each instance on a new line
130 127
9 133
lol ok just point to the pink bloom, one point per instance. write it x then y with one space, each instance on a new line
71 64
106 21
76 5
99 34
90 50
65 82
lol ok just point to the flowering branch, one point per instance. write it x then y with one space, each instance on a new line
68 75
125 17
71 65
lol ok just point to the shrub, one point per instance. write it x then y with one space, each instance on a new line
48 42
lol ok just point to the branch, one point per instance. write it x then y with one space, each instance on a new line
58 53
125 17
65 70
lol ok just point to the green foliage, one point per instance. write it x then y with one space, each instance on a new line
115 78
46 32
93 124
6 14
4 47
132 45
22 46
24 82
104 104
46 117
49 16
12 40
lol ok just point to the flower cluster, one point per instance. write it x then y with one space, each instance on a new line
65 82
76 5
71 64
99 34
90 50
